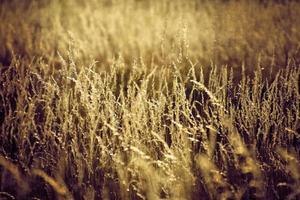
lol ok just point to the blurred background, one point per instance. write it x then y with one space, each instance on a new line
224 32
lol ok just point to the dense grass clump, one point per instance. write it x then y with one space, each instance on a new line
149 99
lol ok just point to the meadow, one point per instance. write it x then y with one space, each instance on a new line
140 99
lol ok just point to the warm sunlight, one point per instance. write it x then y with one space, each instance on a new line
149 99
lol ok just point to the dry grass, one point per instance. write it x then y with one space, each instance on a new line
149 100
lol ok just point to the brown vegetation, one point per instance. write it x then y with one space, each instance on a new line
149 99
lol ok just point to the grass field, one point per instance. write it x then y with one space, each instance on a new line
140 99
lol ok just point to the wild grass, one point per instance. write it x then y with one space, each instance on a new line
149 100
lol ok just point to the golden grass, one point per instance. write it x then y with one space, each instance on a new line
149 100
